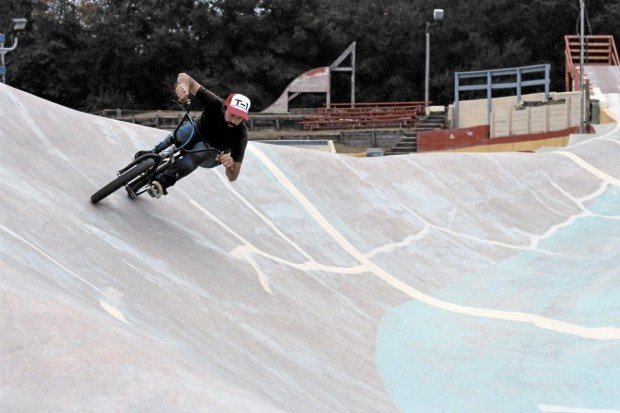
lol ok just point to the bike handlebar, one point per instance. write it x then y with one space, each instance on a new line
183 105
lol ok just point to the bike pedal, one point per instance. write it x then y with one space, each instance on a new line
156 190
130 192
153 192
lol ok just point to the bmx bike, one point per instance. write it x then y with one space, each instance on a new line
137 176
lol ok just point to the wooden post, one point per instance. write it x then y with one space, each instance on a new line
529 119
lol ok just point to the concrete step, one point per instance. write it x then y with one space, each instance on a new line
405 144
428 127
408 145
405 148
400 152
439 124
432 121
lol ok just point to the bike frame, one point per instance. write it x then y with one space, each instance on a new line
168 158
138 175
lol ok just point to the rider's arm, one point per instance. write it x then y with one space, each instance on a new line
232 167
186 86
232 161
232 173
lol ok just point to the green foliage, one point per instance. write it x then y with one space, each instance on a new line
95 54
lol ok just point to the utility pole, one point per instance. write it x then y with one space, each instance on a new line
582 120
437 15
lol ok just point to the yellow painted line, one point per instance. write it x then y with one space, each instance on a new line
546 408
597 333
590 168
114 312
49 257
247 249
108 308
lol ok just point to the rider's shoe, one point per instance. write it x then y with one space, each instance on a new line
141 153
156 190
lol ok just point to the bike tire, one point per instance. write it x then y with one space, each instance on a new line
122 180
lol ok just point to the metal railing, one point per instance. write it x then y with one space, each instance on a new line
489 84
600 50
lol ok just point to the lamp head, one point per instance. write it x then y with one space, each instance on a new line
19 24
438 14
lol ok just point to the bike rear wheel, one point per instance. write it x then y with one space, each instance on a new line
122 180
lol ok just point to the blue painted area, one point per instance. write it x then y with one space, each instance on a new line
579 286
436 361
606 205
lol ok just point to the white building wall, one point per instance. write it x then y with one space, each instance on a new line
509 118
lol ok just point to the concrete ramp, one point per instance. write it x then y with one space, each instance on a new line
313 81
605 78
315 283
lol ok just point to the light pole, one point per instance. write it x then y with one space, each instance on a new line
18 24
582 111
437 15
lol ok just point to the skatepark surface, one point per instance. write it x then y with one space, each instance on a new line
317 282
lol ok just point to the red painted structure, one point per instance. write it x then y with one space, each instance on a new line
447 139
600 50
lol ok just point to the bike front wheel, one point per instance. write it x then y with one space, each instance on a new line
122 180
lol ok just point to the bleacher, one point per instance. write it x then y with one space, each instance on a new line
364 115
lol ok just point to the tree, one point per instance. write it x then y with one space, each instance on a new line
49 63
93 54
